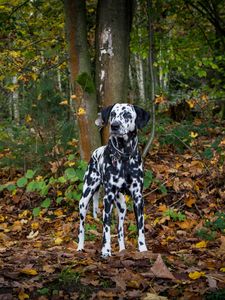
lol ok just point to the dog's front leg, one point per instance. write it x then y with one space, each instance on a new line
121 208
139 214
108 204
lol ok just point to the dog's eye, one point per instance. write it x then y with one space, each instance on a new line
127 115
113 114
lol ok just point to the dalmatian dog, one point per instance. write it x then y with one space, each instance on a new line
118 168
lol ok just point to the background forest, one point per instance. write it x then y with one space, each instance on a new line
60 63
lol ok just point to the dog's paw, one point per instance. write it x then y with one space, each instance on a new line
106 253
79 248
143 248
105 256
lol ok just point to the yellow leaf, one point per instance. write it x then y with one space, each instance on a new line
35 225
191 102
159 99
195 275
127 198
24 214
29 271
28 118
64 102
58 212
2 219
71 163
58 241
23 295
204 97
73 97
34 76
193 134
222 270
59 193
14 54
202 244
81 111
156 221
170 238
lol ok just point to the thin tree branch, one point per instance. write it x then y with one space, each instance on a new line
151 70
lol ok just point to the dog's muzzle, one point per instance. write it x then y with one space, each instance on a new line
115 127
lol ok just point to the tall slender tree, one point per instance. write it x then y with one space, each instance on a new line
82 85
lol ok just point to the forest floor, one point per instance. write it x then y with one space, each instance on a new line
185 234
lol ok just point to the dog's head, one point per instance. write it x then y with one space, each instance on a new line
123 118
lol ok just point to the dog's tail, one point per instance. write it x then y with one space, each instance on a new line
95 204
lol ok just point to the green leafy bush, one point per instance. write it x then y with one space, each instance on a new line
174 215
51 190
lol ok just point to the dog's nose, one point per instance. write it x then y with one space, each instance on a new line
115 126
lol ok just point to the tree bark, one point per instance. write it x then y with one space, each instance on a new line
140 78
114 18
79 65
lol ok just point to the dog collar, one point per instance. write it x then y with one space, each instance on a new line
120 154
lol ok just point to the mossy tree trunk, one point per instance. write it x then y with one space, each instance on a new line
84 93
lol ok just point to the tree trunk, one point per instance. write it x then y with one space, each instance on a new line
140 78
80 71
114 18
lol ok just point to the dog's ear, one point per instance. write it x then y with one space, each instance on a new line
103 116
142 117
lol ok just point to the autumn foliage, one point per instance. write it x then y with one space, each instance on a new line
185 225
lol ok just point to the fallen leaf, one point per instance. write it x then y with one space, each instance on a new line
48 269
222 246
150 296
186 224
193 134
190 201
23 295
212 282
58 241
35 225
195 275
202 244
32 235
29 271
17 226
160 270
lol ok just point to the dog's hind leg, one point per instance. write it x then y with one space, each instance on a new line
139 214
121 208
88 191
95 204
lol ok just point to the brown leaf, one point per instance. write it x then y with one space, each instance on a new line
120 283
150 296
222 246
48 269
160 269
212 282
